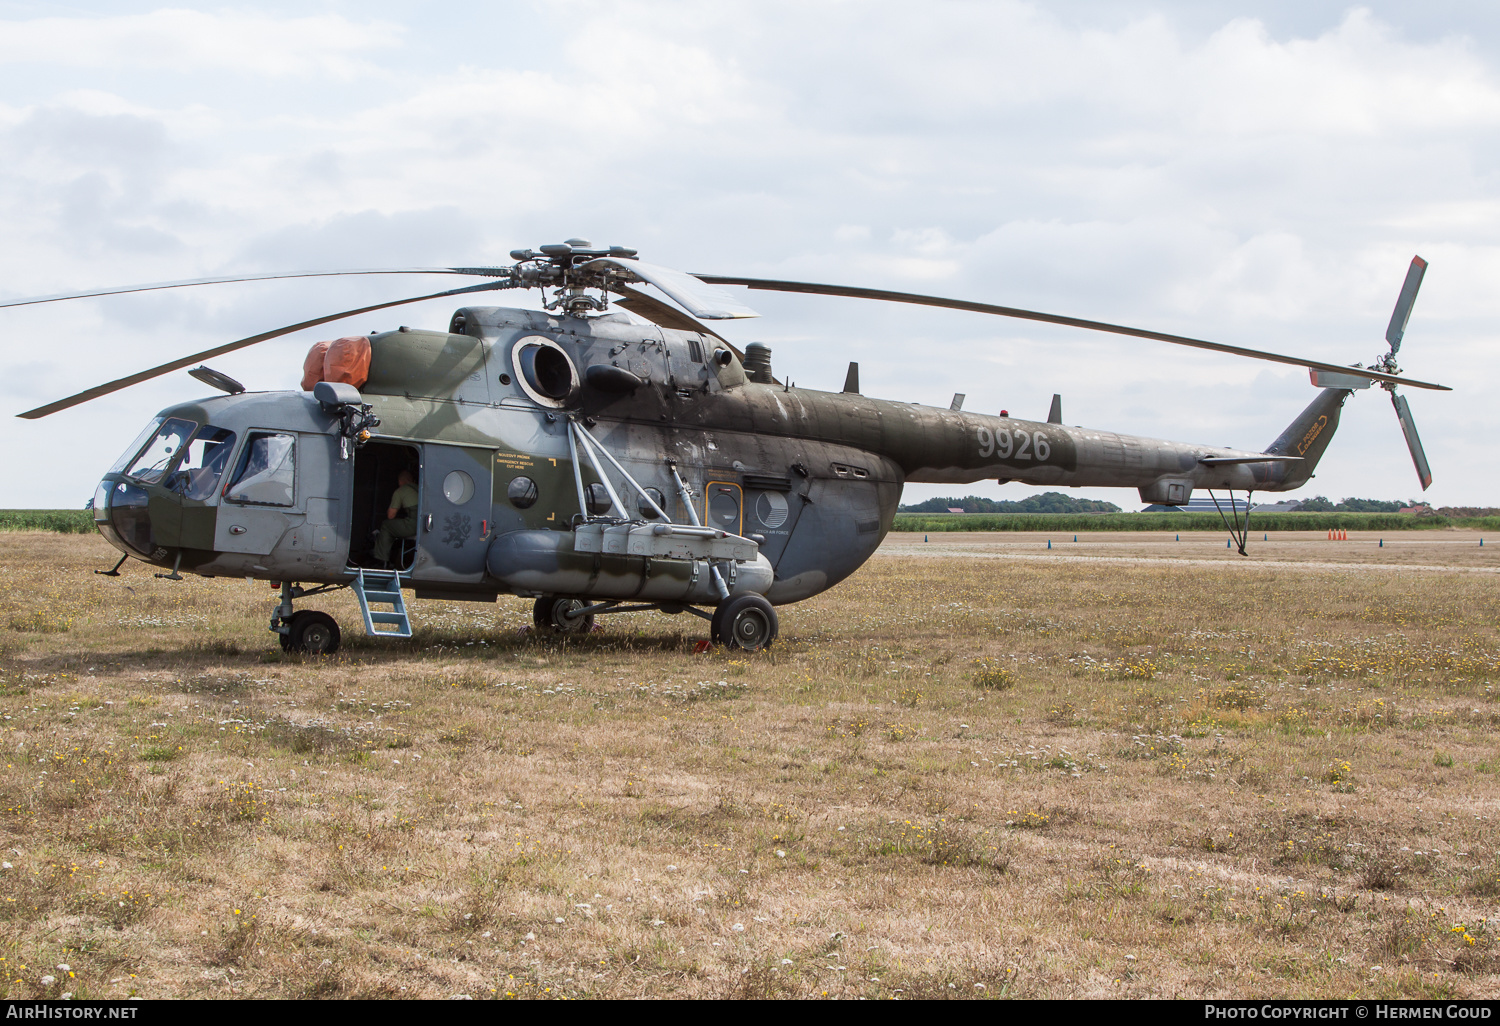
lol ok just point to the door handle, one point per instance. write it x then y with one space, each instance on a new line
427 526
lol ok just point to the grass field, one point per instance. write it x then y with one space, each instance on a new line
1133 767
1070 522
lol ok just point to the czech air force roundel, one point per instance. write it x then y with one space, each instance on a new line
771 509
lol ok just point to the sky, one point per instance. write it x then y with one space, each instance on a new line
1255 174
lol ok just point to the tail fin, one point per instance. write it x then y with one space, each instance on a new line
1308 436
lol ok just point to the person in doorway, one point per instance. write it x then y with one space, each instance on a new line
400 518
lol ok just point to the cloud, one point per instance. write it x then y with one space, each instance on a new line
369 237
186 41
1259 182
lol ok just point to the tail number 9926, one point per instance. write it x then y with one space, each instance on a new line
1006 444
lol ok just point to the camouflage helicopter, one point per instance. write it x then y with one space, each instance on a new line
608 461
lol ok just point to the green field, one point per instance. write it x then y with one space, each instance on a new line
63 521
936 522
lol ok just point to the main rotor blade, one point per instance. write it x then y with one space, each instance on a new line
484 272
1409 429
1403 304
657 312
697 297
146 375
1071 322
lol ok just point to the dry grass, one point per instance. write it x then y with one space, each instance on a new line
951 777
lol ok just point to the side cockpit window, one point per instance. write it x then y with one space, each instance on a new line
267 471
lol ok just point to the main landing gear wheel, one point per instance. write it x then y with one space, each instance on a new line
548 616
747 622
311 632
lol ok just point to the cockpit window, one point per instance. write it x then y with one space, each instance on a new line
207 457
149 431
161 450
267 471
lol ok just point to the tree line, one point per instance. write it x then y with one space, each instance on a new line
1047 502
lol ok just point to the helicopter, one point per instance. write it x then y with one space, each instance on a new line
609 453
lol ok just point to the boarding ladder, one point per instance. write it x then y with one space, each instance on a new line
383 587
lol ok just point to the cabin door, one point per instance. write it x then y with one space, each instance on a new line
454 524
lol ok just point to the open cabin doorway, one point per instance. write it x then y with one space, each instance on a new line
377 466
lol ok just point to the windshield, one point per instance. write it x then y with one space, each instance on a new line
160 450
149 431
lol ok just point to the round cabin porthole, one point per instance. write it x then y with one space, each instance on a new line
458 487
597 499
724 510
522 492
544 371
644 507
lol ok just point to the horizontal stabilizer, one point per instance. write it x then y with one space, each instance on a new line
1329 379
1225 461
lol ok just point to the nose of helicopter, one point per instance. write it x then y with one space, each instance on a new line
122 514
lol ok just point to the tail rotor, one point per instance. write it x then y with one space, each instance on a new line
1387 363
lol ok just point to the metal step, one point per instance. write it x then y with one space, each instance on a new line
383 587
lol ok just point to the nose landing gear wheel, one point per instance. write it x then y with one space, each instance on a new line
548 616
311 632
748 622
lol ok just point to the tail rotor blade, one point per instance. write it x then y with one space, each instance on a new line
1403 305
1414 443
